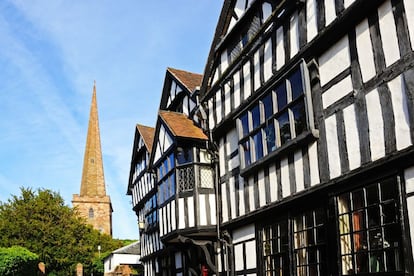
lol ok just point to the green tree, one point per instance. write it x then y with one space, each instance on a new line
17 260
41 222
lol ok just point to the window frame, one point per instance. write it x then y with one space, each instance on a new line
246 135
368 227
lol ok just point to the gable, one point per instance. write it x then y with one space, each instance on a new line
163 143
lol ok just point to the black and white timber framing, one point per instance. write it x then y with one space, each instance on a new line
308 107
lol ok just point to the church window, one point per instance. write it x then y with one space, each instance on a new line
91 213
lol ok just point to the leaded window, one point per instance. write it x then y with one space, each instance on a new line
166 178
282 114
369 229
298 242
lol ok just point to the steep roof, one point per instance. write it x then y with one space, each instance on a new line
181 126
147 134
190 80
133 248
93 182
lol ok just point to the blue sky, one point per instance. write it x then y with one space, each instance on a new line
50 54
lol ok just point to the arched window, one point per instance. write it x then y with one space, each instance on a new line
91 214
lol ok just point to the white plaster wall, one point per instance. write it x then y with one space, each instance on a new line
337 91
388 33
284 175
352 138
273 183
365 53
261 188
298 163
401 114
334 61
311 19
409 11
332 147
376 125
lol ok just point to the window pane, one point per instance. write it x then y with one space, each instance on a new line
284 127
244 120
258 144
358 199
268 105
246 153
299 115
372 194
281 95
388 189
184 155
296 84
270 137
255 116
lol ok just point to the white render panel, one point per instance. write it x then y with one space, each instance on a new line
348 3
409 181
239 8
224 202
224 61
251 193
234 163
352 138
232 141
280 49
219 113
376 125
168 211
330 13
242 205
334 61
236 92
222 158
333 147
251 259
211 123
273 183
243 233
298 162
203 208
365 53
267 66
247 90
233 22
172 90
181 217
294 35
337 91
261 188
284 175
401 113
409 11
191 214
227 99
212 201
256 62
232 197
313 163
388 33
267 11
238 257
173 220
311 19
186 109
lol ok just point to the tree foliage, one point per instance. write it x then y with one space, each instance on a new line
41 222
17 260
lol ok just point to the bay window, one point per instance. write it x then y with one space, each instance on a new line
282 114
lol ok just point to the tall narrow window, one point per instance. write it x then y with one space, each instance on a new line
91 213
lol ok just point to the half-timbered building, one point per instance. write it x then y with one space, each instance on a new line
302 133
311 106
177 208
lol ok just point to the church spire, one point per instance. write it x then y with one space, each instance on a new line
92 203
93 182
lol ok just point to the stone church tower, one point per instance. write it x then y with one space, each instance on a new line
92 202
